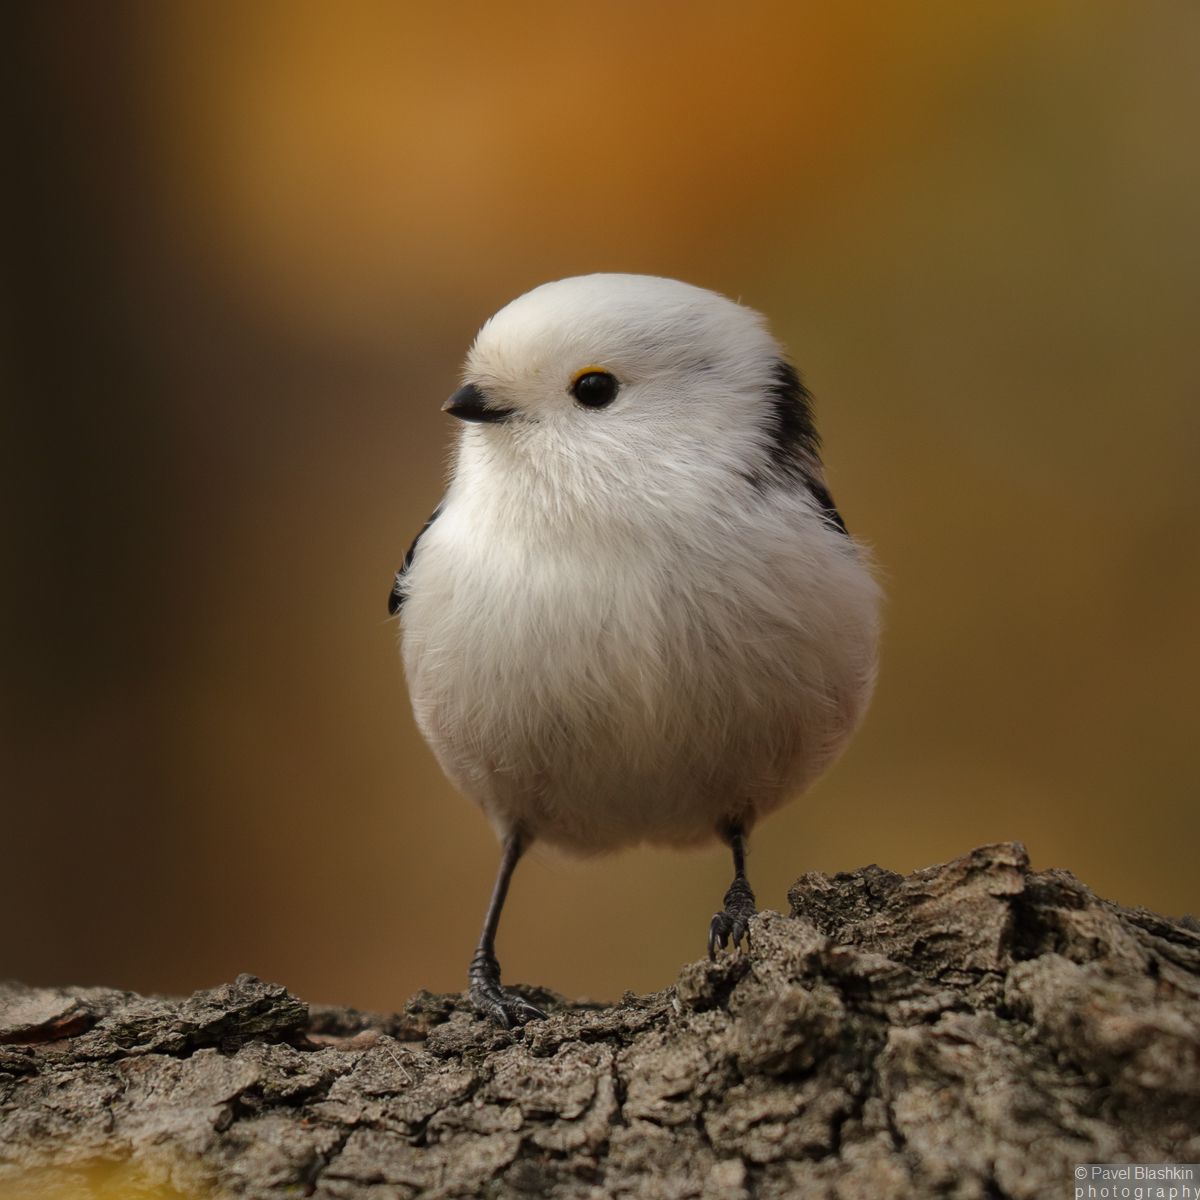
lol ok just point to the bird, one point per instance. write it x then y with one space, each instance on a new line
636 616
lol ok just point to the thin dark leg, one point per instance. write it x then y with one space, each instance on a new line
730 926
488 997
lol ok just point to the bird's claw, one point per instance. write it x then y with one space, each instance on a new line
504 1008
490 1000
727 931
730 927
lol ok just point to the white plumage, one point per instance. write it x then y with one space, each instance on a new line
642 621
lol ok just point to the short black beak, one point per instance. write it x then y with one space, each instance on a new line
470 404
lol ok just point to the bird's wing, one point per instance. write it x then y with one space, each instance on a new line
820 493
396 595
795 447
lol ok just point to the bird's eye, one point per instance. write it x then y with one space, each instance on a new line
594 389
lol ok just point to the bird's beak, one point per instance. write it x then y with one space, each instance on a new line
470 404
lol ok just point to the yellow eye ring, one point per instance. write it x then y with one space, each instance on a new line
594 387
594 369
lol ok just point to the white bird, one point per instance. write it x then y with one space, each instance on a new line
636 616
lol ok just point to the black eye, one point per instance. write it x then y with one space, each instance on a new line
594 389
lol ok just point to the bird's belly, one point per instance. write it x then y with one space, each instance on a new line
597 710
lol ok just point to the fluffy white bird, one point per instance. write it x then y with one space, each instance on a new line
636 615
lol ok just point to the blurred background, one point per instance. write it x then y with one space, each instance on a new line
251 245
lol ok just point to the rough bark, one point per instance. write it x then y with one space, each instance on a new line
975 1029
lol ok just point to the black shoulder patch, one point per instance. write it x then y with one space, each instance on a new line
794 445
396 595
793 430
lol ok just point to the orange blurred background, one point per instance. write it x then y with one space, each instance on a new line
252 246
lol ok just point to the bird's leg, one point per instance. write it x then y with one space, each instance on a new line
487 996
731 925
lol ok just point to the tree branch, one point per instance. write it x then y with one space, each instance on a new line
975 1029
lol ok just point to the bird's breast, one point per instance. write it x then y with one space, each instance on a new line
652 679
547 627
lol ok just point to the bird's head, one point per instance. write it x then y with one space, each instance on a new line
626 376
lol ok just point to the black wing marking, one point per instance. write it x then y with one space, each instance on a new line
794 437
820 493
396 595
795 446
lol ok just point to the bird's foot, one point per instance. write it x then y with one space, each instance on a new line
490 1000
729 927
